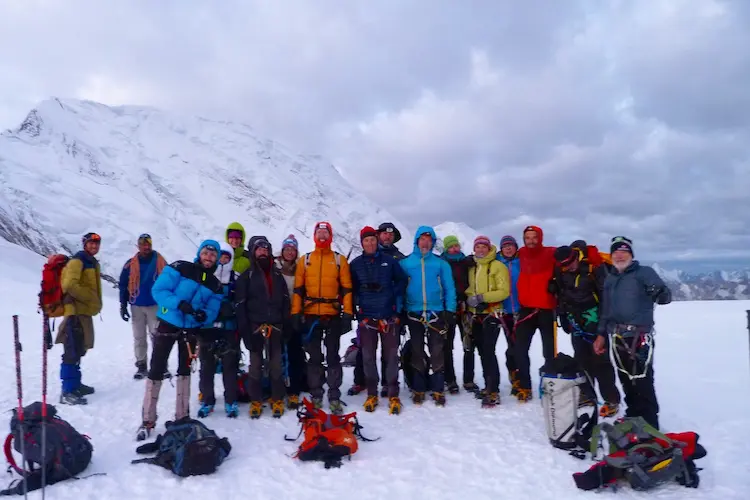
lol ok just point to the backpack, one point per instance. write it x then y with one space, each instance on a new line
67 453
643 456
561 385
328 438
51 294
187 448
349 359
336 254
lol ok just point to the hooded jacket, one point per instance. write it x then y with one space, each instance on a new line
430 286
228 278
489 277
379 284
321 288
241 262
511 304
537 268
192 283
81 286
261 296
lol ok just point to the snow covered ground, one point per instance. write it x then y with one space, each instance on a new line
432 453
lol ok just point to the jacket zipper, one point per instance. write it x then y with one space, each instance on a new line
320 281
424 288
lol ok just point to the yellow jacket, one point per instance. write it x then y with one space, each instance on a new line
82 286
322 278
490 279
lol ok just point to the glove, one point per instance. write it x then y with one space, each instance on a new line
124 314
185 307
346 323
200 316
475 300
297 322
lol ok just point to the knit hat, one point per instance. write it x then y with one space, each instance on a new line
234 233
90 237
367 231
508 240
482 240
290 241
621 243
449 241
564 255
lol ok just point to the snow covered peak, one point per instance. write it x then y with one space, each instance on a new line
75 166
464 232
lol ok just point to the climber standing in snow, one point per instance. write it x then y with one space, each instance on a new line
263 312
488 286
379 283
627 318
189 297
296 365
509 256
537 305
431 307
322 311
221 343
460 265
235 236
137 277
82 299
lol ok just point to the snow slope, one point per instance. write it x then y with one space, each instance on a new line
77 166
431 453
462 231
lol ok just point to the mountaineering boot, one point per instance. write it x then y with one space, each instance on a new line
144 431
491 400
452 388
141 371
609 410
317 403
523 395
371 403
471 387
417 398
72 398
336 407
292 402
438 398
394 406
256 408
384 392
514 382
277 408
182 405
355 389
84 390
232 410
205 410
481 394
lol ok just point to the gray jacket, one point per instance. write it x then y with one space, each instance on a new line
628 297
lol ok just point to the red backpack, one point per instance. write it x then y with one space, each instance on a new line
51 295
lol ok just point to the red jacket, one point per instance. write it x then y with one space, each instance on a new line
537 268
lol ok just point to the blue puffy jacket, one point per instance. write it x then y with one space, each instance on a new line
430 286
378 283
192 283
511 304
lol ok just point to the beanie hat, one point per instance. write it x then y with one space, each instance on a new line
621 243
90 237
508 240
367 231
234 234
482 240
290 241
564 255
449 241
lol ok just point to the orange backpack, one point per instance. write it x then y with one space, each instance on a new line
51 295
328 438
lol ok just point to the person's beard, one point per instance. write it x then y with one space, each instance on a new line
621 266
264 262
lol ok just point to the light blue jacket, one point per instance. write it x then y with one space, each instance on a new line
430 286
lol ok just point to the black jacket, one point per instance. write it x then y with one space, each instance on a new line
255 305
578 291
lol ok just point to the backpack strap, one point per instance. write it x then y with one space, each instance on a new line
9 455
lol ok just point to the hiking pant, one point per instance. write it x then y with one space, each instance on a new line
486 330
436 346
470 344
529 321
165 338
640 394
222 345
73 350
317 331
272 343
369 331
359 366
598 367
296 365
508 323
450 368
144 322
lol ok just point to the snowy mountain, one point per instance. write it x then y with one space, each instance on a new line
462 231
77 166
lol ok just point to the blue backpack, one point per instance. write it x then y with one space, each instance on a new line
187 448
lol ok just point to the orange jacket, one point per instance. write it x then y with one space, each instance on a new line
321 279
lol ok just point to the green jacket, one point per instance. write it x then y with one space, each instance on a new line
241 262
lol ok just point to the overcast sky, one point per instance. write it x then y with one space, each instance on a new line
590 119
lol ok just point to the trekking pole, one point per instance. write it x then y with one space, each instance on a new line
45 334
17 347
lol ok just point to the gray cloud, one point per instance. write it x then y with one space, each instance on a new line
588 118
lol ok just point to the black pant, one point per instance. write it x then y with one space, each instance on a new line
435 344
165 338
598 367
640 394
450 367
256 342
508 323
223 345
486 330
296 365
326 331
529 321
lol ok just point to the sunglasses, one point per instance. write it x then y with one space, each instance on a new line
211 248
144 237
